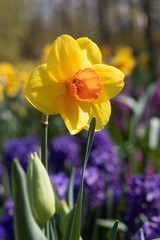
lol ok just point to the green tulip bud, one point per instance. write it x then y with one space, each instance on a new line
40 191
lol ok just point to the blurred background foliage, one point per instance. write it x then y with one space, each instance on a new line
27 25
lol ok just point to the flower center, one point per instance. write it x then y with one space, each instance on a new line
85 85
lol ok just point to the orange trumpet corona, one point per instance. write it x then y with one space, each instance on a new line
85 85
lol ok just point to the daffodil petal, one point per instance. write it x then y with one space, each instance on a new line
101 111
73 115
65 59
111 80
91 52
42 92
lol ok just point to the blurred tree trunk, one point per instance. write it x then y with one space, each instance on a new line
65 14
148 31
147 7
102 6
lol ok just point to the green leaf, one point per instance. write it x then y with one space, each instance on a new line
138 107
53 230
114 230
141 234
69 219
109 203
57 202
25 225
109 224
89 141
64 217
127 100
74 230
70 198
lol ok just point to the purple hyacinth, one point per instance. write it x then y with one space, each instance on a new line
2 233
103 164
143 198
102 140
104 156
116 187
7 220
20 148
93 185
151 229
60 182
106 159
63 151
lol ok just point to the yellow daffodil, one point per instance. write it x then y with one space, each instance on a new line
124 60
8 81
74 83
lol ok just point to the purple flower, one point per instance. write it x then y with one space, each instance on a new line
150 229
20 148
93 185
60 182
103 171
2 233
64 151
106 159
102 140
143 197
7 220
116 187
104 156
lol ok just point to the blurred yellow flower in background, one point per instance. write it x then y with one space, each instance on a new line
9 84
22 73
106 51
75 84
1 93
143 59
45 53
124 60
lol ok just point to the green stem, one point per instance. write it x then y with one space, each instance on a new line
44 156
44 139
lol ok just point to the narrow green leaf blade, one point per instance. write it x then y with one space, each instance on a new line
70 198
89 141
141 234
53 230
57 202
109 224
114 230
69 221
